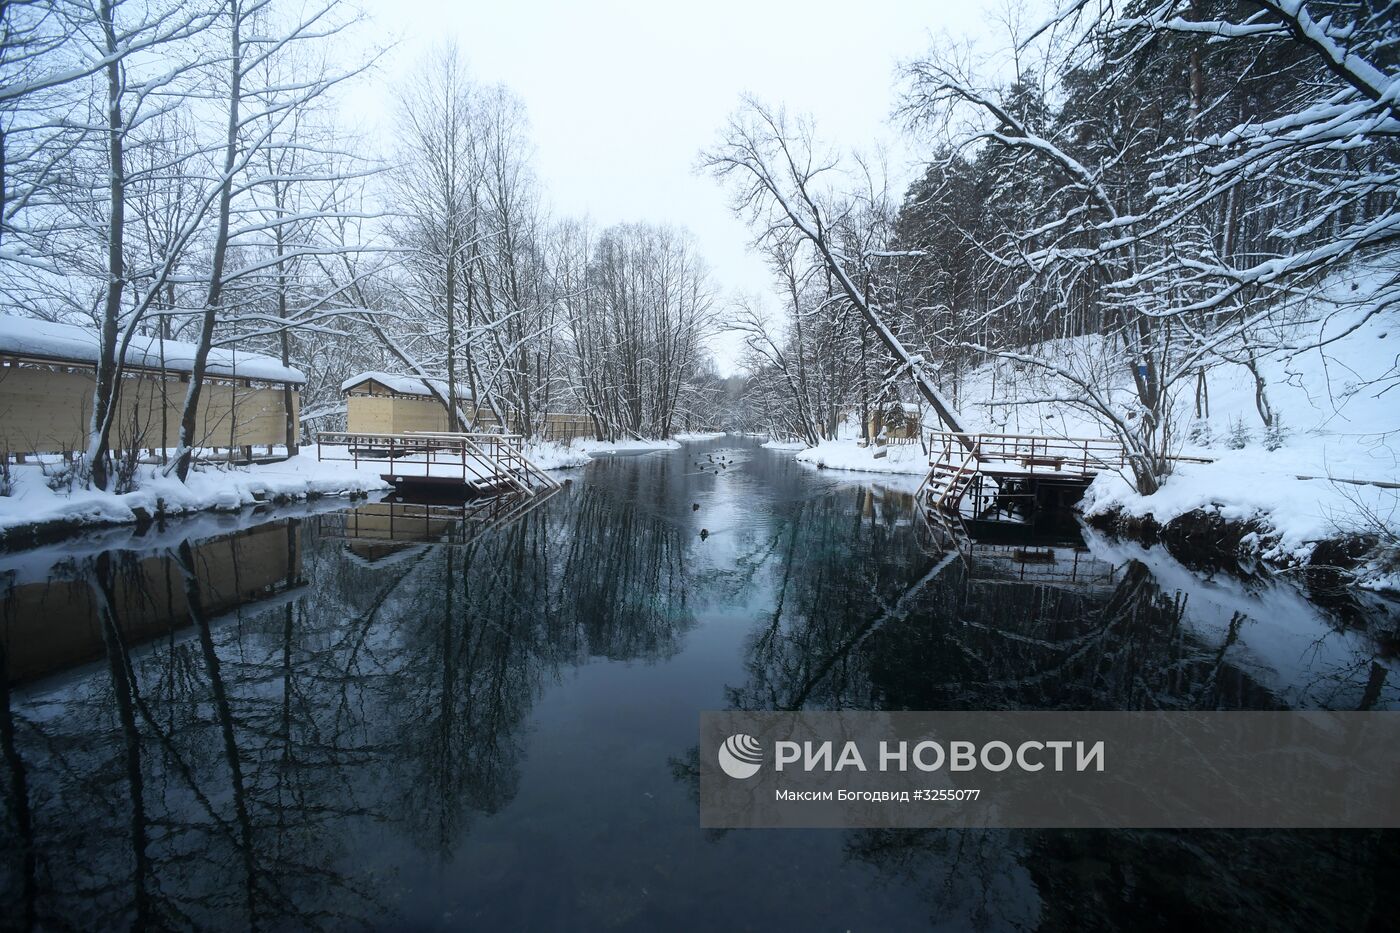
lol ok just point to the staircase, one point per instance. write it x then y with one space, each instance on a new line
450 462
952 470
941 533
501 465
947 481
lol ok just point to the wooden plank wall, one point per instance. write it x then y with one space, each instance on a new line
47 411
376 414
380 414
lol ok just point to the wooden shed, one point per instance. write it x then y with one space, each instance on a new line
898 422
48 372
393 403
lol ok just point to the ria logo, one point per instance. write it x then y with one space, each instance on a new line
741 756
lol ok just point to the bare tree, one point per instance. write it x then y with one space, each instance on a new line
781 184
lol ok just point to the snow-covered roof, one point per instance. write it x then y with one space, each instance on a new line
402 384
65 343
911 408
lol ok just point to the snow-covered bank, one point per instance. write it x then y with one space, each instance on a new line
1316 486
783 445
33 508
849 455
1337 534
550 455
32 502
625 446
1290 512
1327 478
686 436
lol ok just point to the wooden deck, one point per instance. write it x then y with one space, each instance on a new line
1000 470
443 463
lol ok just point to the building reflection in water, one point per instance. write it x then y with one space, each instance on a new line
52 618
317 721
265 703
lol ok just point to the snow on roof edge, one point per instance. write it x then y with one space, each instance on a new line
27 336
402 383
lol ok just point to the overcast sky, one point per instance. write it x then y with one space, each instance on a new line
622 96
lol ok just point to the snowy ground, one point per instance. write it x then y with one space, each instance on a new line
1338 451
849 455
1340 427
549 455
685 436
625 446
32 501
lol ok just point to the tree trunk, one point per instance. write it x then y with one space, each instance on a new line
106 389
189 417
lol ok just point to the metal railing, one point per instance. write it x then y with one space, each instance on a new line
1031 453
478 458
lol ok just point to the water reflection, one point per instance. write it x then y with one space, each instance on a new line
55 614
485 715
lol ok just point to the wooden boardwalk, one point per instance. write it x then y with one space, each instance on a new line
997 470
444 463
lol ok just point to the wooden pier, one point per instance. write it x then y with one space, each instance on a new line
442 463
1012 471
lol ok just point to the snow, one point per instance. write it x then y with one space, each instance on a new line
1340 427
550 455
1243 486
847 454
784 445
403 384
631 445
31 501
26 336
686 436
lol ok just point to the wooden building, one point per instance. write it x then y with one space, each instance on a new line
896 422
48 372
392 403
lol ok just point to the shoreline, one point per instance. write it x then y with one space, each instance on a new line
1205 540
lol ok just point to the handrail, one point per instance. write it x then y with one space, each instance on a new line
1024 437
1035 452
538 470
502 454
956 478
1089 449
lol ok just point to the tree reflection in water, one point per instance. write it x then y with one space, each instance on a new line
225 773
328 719
969 630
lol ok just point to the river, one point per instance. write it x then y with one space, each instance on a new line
337 716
